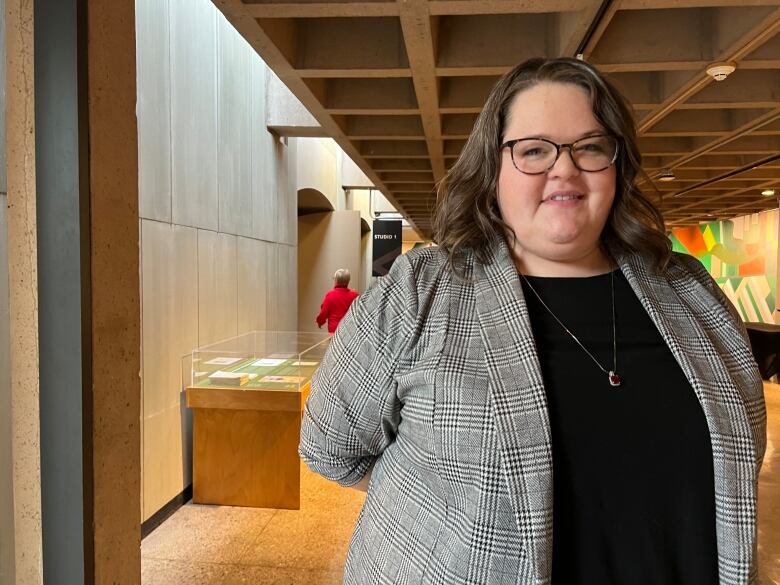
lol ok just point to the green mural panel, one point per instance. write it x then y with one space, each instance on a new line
741 255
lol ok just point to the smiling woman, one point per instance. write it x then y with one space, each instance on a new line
552 334
570 98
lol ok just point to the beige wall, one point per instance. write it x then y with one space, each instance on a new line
366 243
218 215
319 161
327 241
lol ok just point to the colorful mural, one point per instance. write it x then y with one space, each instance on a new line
741 255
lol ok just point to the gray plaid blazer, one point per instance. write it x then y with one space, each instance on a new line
435 381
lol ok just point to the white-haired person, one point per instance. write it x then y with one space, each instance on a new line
337 301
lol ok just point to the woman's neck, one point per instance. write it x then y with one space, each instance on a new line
589 264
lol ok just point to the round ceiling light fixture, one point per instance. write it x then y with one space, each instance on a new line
720 71
666 175
768 192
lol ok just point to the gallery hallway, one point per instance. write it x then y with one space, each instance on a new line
202 545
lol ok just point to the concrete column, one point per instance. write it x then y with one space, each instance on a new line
115 292
23 293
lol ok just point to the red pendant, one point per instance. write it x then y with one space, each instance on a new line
614 379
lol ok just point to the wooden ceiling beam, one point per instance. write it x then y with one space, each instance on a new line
419 32
319 9
739 49
601 27
353 72
249 28
467 7
722 197
398 83
664 4
728 138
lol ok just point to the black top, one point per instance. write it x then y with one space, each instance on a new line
634 499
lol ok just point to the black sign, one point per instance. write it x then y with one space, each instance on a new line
387 245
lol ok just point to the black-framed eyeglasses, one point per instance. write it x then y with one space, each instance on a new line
536 156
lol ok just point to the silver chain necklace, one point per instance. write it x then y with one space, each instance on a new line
612 376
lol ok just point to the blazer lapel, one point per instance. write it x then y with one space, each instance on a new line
519 406
681 308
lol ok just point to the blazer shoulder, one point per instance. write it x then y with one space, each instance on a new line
427 267
431 258
686 267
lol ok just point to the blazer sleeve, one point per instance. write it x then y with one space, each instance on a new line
353 410
755 404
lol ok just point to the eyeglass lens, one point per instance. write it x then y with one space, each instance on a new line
594 153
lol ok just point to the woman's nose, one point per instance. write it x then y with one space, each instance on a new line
564 167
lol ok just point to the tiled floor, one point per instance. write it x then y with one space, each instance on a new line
205 545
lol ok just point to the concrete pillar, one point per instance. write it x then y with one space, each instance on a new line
115 308
23 293
73 291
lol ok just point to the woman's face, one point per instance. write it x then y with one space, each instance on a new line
557 216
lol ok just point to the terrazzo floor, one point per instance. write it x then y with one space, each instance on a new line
769 494
205 545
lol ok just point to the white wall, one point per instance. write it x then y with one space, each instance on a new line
218 214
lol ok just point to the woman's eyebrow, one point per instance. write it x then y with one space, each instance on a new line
588 134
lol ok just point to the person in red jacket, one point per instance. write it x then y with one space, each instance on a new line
336 301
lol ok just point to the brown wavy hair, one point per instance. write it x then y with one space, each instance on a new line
467 216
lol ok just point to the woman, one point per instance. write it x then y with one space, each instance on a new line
552 334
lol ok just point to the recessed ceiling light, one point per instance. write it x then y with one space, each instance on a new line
768 192
666 175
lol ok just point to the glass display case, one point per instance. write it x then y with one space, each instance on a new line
259 360
247 394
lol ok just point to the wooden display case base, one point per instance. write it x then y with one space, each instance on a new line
245 446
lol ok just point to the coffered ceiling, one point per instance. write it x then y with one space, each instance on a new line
399 83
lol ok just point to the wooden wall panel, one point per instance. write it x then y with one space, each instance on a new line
193 113
163 452
154 109
265 149
169 256
234 128
216 287
286 192
272 287
253 275
288 285
225 258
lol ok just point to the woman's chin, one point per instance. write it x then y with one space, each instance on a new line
571 238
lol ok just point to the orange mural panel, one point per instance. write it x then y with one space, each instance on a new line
692 238
756 267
